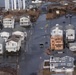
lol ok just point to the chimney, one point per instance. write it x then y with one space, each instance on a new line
15 5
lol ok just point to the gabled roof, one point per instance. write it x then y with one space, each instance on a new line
27 16
57 25
15 38
69 27
65 52
8 16
9 30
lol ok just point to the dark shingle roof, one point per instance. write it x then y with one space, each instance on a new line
10 30
57 25
62 53
19 28
69 27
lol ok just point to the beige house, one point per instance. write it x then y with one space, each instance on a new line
8 21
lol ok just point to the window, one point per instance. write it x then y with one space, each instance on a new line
63 63
54 31
70 59
69 64
12 44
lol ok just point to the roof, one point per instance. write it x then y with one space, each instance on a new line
10 30
57 25
72 44
8 16
69 27
15 38
2 41
25 16
18 28
60 53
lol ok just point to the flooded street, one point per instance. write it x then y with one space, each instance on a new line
32 56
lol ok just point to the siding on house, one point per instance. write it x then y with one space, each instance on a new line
56 43
18 30
19 33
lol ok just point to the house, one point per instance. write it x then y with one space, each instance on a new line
25 21
56 42
2 45
13 43
20 31
5 33
62 61
8 21
72 46
57 30
70 32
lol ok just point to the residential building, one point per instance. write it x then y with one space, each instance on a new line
8 21
57 30
5 33
13 44
70 32
62 61
25 21
72 46
20 31
56 43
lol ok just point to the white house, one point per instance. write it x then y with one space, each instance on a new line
2 45
57 30
8 21
62 61
25 21
70 32
72 46
5 33
13 44
19 31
